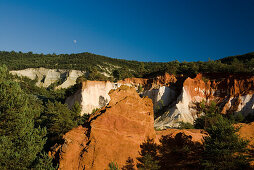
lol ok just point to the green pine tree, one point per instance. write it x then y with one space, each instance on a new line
148 159
58 119
129 165
223 148
20 141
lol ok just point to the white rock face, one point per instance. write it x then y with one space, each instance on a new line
162 96
183 110
179 111
246 105
93 95
48 76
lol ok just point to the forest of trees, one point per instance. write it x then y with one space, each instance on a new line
120 69
32 120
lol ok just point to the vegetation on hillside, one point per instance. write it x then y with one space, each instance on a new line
20 139
120 69
32 119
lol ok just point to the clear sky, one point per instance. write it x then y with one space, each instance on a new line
143 30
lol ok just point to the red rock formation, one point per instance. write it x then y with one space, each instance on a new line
166 79
72 149
247 132
114 134
133 81
197 89
158 81
227 91
232 93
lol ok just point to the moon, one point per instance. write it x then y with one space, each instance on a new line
74 41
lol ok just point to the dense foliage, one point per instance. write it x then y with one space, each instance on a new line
129 165
224 146
20 140
32 119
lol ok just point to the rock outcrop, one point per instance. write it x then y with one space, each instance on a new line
231 93
94 94
45 77
114 133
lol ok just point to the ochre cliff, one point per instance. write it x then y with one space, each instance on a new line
231 93
114 133
175 97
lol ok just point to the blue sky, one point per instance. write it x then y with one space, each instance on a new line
143 30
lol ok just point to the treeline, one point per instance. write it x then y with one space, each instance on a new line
120 69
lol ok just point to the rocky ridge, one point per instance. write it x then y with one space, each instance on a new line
113 133
231 93
94 94
45 77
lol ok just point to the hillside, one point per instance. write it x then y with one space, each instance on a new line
120 69
242 58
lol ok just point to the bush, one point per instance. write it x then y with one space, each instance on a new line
148 156
179 152
210 115
129 165
43 162
113 166
58 119
224 147
185 125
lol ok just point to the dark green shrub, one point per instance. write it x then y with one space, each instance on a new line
179 152
185 125
113 166
223 148
43 162
129 165
148 156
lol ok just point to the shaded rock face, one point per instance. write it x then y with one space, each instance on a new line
114 133
161 96
45 77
